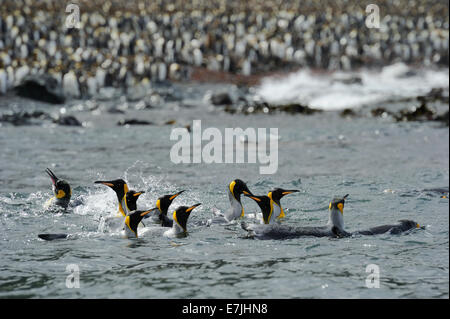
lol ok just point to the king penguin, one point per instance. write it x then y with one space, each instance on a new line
114 223
131 198
162 204
180 218
132 221
178 229
276 195
272 211
120 187
61 191
334 227
235 189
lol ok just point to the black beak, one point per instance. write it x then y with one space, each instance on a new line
52 176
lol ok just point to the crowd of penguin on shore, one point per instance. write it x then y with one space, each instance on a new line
132 43
129 221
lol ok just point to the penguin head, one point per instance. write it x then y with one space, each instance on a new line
163 203
119 186
237 188
61 189
133 219
336 209
337 203
278 193
264 202
407 224
131 198
181 215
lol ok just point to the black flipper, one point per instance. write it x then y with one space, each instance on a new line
52 236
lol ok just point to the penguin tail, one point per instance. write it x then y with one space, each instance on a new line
49 237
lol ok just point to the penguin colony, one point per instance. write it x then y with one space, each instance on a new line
265 225
128 43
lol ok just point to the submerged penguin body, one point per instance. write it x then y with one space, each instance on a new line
334 228
402 226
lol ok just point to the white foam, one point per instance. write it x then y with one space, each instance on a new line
327 92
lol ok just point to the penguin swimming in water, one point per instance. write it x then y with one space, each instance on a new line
120 187
131 198
274 211
62 193
180 218
179 227
276 195
235 189
334 228
162 204
402 226
132 221
270 210
115 223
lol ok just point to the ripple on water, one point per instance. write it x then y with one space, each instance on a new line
217 261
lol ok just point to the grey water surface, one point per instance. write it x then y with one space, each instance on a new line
391 170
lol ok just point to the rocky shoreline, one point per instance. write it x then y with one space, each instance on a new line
132 44
140 51
431 107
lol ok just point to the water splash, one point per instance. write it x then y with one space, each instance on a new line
329 92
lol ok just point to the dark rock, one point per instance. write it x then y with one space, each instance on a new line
114 110
436 94
68 120
260 107
421 113
297 109
381 112
230 109
444 118
42 88
348 113
264 107
133 122
24 118
221 99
